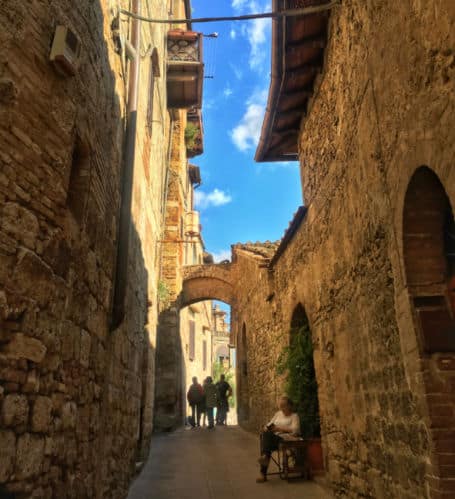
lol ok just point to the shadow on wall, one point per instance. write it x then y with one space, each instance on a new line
129 390
170 388
243 392
79 386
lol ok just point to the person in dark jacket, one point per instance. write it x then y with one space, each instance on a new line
211 397
195 398
222 407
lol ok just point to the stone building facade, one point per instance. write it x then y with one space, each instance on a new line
78 316
221 337
370 256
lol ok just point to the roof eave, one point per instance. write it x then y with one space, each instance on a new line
276 79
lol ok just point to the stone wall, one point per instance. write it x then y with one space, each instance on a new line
382 108
76 399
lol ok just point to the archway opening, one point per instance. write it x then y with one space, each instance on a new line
298 364
429 257
429 260
207 351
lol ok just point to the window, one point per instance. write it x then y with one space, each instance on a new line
192 346
429 257
154 73
244 350
194 253
204 355
79 182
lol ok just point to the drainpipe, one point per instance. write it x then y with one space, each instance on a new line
121 271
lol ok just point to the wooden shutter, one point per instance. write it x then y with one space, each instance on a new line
192 349
204 355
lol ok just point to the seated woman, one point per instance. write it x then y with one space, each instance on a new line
285 421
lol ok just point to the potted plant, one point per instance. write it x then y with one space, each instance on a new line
297 365
192 139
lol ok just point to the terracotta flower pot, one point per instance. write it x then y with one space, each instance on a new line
314 454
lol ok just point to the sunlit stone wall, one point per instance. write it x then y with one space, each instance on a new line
76 399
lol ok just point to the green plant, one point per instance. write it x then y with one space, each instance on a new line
217 370
296 363
163 293
191 135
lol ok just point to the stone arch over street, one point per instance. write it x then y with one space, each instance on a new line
207 282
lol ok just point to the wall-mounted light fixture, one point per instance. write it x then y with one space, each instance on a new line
65 51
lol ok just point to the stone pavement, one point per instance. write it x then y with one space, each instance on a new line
215 464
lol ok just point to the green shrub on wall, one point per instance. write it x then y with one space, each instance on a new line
163 294
192 133
296 363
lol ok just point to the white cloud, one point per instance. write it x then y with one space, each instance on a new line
257 36
214 198
208 104
219 256
246 134
238 73
233 34
227 92
239 4
257 31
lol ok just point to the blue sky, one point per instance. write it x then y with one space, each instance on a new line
239 200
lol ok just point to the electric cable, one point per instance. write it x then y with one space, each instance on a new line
315 9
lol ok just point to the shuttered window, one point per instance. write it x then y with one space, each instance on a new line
192 349
204 355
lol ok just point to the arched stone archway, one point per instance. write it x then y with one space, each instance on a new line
429 262
207 282
199 283
205 288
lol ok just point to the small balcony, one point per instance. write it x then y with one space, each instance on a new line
185 69
194 133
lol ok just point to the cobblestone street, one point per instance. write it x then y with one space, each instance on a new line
218 464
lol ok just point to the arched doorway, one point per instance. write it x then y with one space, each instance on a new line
429 261
301 382
242 375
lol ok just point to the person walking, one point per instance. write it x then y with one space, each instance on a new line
211 397
203 406
222 406
195 398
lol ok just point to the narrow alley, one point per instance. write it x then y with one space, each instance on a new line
219 464
231 210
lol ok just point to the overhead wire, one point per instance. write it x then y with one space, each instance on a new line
246 17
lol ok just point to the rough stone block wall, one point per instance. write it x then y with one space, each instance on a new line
75 410
383 107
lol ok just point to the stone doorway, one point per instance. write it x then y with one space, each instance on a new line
429 260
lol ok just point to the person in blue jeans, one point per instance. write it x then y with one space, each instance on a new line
211 397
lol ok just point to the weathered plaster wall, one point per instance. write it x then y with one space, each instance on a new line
75 398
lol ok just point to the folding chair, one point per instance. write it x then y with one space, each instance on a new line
290 458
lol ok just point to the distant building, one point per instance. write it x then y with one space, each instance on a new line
221 333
